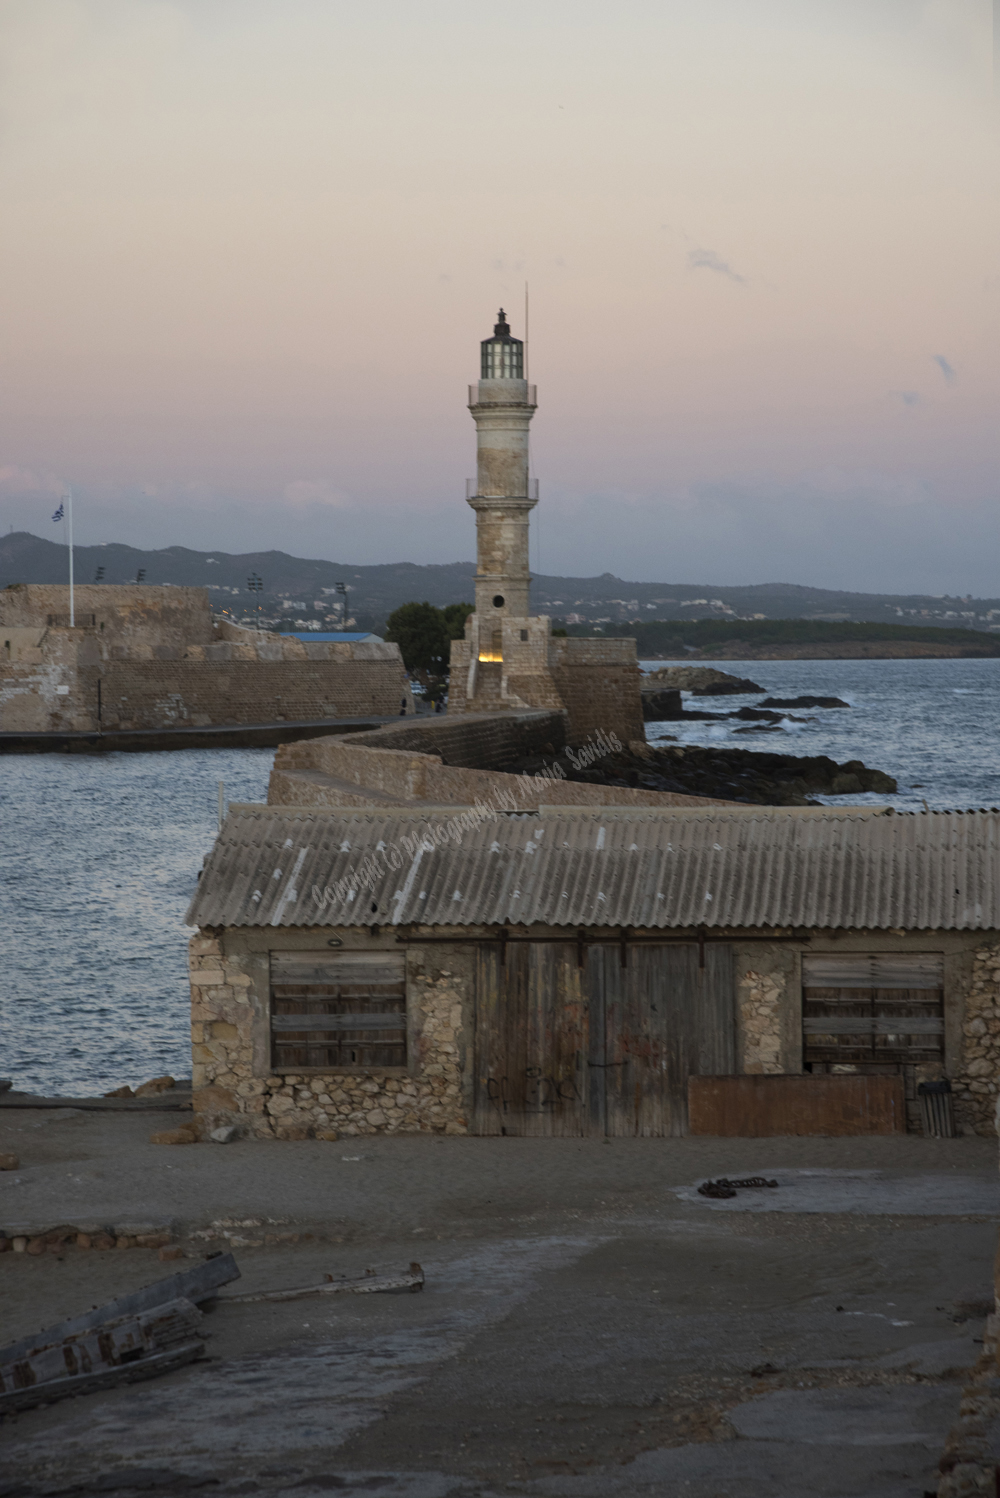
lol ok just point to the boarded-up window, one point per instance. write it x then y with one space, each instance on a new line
337 1012
884 1010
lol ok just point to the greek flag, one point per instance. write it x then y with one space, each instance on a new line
59 513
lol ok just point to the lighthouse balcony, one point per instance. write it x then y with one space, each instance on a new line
503 393
471 492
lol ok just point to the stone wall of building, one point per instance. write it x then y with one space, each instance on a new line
976 1083
762 997
233 1083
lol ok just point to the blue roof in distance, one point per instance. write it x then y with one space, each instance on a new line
336 634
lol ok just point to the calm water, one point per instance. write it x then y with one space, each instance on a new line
100 855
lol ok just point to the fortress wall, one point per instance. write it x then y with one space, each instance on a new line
396 765
126 617
598 681
180 693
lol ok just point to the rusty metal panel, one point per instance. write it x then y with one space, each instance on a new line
759 1107
746 868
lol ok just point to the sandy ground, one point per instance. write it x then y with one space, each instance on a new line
589 1325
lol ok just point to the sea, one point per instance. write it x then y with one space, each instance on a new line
100 855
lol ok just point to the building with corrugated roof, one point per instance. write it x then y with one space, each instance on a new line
568 972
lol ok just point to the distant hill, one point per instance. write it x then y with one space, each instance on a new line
375 591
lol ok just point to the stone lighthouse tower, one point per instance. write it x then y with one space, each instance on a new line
509 658
503 660
502 405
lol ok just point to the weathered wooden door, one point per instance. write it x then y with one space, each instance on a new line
603 1049
531 1041
654 1023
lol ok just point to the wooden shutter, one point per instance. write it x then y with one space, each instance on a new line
873 1009
343 1012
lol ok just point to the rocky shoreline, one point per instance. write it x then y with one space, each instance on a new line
742 775
662 699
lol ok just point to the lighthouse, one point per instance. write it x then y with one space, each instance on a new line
509 660
502 405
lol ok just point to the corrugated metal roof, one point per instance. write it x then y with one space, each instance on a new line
741 868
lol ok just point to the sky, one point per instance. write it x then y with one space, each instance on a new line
248 250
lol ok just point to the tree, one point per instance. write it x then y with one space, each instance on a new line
455 615
424 634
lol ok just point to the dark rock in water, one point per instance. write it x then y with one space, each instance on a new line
661 704
803 702
744 775
702 681
757 713
738 685
665 705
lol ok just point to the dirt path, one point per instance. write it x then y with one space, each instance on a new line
584 1330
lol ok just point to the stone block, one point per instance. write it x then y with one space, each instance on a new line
221 1029
154 1085
186 1135
214 1099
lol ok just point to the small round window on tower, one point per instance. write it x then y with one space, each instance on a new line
498 600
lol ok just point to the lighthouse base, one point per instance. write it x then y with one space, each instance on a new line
516 664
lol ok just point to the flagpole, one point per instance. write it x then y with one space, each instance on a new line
69 517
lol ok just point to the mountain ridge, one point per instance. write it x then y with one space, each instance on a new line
375 590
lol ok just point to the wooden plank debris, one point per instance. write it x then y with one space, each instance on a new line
125 1340
53 1390
369 1284
197 1284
